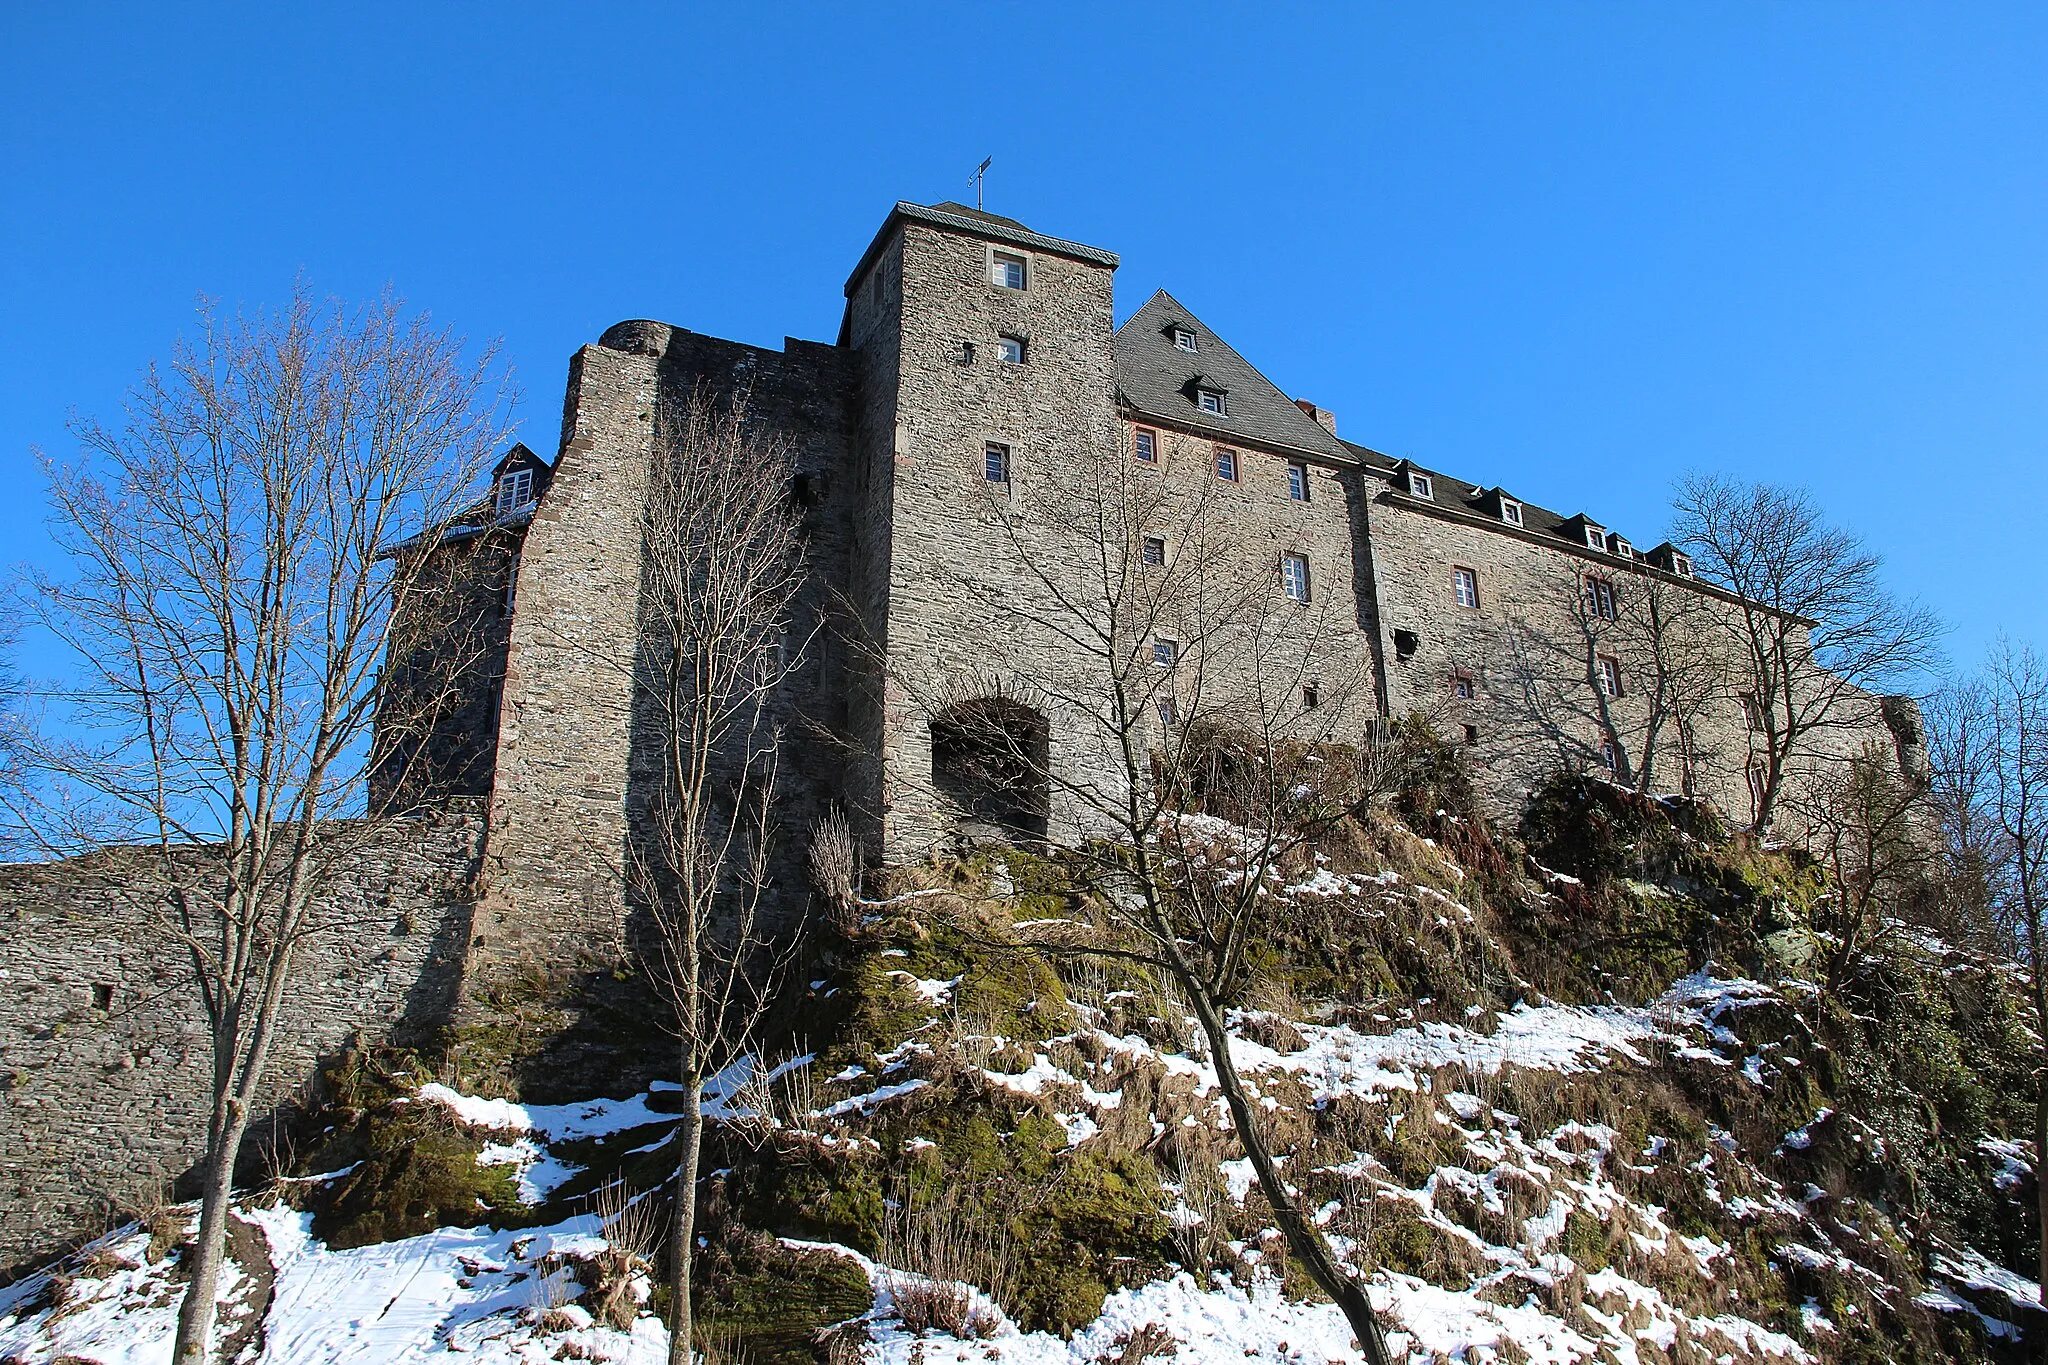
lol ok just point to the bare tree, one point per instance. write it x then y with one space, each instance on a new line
2012 696
232 598
1817 633
722 566
1197 677
1962 761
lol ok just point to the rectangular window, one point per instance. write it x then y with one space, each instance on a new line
1752 714
1294 576
1167 714
996 462
1600 598
1609 759
1511 511
1461 687
1471 734
1154 550
1610 675
511 581
1623 548
1010 350
1297 482
1681 565
1465 587
1421 486
1145 445
1596 537
1310 698
1184 339
1208 400
1226 464
1008 270
515 490
1165 653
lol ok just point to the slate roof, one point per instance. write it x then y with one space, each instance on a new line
960 218
1157 379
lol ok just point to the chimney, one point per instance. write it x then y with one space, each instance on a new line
1325 419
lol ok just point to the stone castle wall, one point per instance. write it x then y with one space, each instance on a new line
105 1063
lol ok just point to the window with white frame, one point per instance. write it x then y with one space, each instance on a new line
1421 485
1623 548
1294 576
1752 714
1145 445
1681 564
1610 674
1226 464
1184 340
1596 537
1465 587
1010 350
1599 598
1165 653
1297 482
514 491
1006 270
996 462
1210 400
1511 511
1609 758
1153 551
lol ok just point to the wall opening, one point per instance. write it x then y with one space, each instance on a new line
103 997
989 769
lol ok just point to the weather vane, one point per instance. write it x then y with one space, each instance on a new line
980 174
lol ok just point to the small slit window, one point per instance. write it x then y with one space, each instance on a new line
1294 576
1421 486
1297 482
1153 551
1471 734
1311 698
996 462
1007 270
1210 400
1226 464
1145 445
103 997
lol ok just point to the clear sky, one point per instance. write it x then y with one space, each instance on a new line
1574 249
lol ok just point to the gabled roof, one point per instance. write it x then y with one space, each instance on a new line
1156 379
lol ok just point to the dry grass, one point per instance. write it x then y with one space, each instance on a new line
937 1255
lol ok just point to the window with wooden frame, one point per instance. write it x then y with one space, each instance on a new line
1007 270
1145 445
996 462
1226 464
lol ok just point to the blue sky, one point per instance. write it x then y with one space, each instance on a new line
1572 249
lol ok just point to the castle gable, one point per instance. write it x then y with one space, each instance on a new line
1158 376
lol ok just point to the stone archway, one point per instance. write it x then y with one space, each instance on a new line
989 770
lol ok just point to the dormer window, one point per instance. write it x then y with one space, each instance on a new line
1623 548
1184 340
1210 400
1681 564
1421 486
514 491
1511 511
1006 271
1596 537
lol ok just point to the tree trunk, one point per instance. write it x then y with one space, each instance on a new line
194 1343
683 1228
1303 1240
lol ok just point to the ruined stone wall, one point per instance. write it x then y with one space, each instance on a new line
573 755
105 1064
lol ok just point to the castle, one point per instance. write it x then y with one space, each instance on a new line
977 368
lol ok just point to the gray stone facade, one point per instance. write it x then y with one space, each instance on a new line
105 1065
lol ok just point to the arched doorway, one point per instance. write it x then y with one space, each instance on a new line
989 770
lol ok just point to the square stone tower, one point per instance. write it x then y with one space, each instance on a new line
985 352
